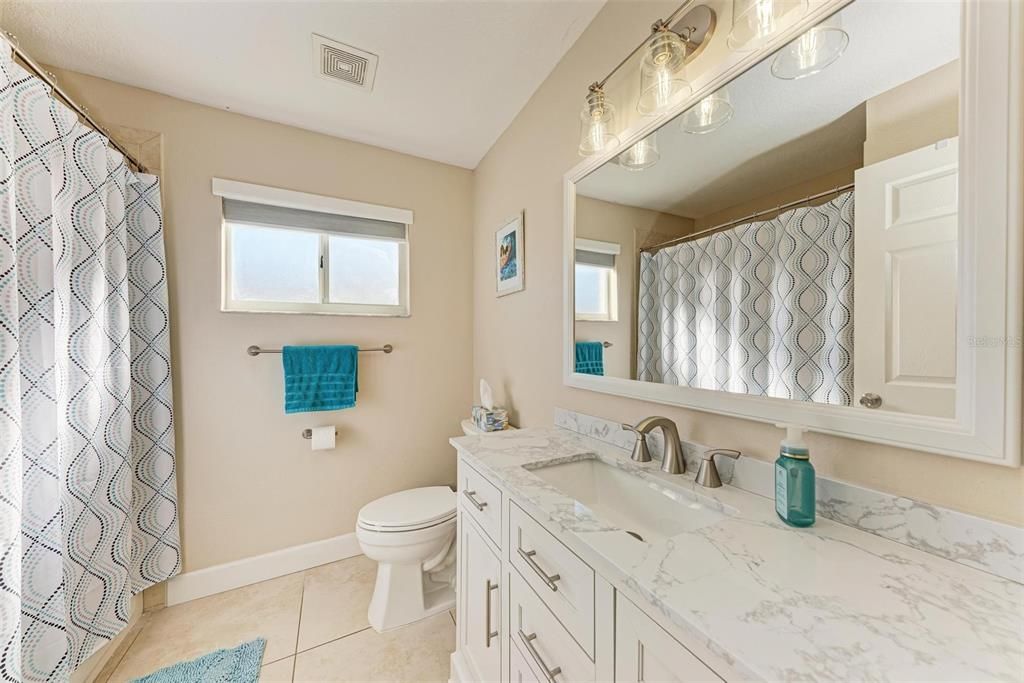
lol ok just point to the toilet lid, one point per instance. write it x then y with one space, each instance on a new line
413 508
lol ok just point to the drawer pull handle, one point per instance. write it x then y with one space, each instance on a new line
549 674
548 579
478 504
487 621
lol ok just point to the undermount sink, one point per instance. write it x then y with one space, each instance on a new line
643 509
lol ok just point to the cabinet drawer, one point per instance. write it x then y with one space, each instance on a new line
481 500
542 640
519 669
645 651
563 581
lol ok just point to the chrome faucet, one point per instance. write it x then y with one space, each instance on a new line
707 473
672 462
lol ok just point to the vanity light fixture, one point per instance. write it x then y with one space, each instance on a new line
673 43
754 22
661 72
642 155
597 123
812 52
710 114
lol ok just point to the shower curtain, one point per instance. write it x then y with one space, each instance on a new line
88 501
765 308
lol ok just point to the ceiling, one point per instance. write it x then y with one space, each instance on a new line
452 75
776 136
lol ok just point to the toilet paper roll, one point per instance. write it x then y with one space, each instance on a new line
323 438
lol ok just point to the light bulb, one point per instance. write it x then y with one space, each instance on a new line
597 124
754 22
812 52
641 155
661 73
764 10
711 113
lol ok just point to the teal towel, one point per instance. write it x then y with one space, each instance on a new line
320 378
232 665
590 358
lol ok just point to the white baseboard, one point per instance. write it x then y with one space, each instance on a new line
225 577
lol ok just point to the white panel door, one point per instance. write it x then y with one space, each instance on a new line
905 281
645 651
479 605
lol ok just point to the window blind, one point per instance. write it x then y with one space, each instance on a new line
594 258
237 211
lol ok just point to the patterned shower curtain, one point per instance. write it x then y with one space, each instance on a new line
88 502
765 308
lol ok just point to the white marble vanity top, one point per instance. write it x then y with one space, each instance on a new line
825 603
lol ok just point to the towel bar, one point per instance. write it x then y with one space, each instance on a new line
255 350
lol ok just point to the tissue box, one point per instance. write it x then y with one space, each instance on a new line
490 420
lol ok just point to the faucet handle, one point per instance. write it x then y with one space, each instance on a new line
640 450
707 474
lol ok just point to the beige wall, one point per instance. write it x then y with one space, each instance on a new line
765 204
248 482
630 227
517 339
915 114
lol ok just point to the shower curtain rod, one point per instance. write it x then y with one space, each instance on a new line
746 219
51 80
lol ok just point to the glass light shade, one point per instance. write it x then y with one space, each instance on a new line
812 52
711 113
643 154
754 22
661 73
597 125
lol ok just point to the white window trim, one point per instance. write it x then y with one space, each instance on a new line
273 196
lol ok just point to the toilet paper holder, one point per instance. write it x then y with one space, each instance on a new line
308 433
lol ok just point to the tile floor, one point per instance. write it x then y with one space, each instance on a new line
315 626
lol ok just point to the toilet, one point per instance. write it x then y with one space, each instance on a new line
411 536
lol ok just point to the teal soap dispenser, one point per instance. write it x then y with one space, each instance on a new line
794 479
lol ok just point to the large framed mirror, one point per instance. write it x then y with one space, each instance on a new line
828 232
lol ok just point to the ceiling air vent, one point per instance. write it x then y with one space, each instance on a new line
343 63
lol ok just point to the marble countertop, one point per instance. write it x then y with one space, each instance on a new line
777 603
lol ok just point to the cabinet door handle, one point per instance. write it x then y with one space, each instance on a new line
549 674
548 579
489 634
479 505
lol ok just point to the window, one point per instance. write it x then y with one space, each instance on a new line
290 252
596 290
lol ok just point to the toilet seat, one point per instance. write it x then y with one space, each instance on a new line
409 510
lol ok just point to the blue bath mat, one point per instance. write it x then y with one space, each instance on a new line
233 665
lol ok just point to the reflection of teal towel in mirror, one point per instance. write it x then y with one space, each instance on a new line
590 358
320 378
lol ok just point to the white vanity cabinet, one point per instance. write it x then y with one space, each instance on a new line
480 591
645 651
479 603
531 609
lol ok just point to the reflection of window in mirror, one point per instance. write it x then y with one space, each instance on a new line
596 290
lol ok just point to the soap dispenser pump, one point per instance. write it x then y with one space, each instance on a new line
794 479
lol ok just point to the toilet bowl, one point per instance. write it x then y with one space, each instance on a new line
411 536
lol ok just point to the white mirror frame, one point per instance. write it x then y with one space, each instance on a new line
987 427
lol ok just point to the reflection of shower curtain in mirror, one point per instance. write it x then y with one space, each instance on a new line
765 308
